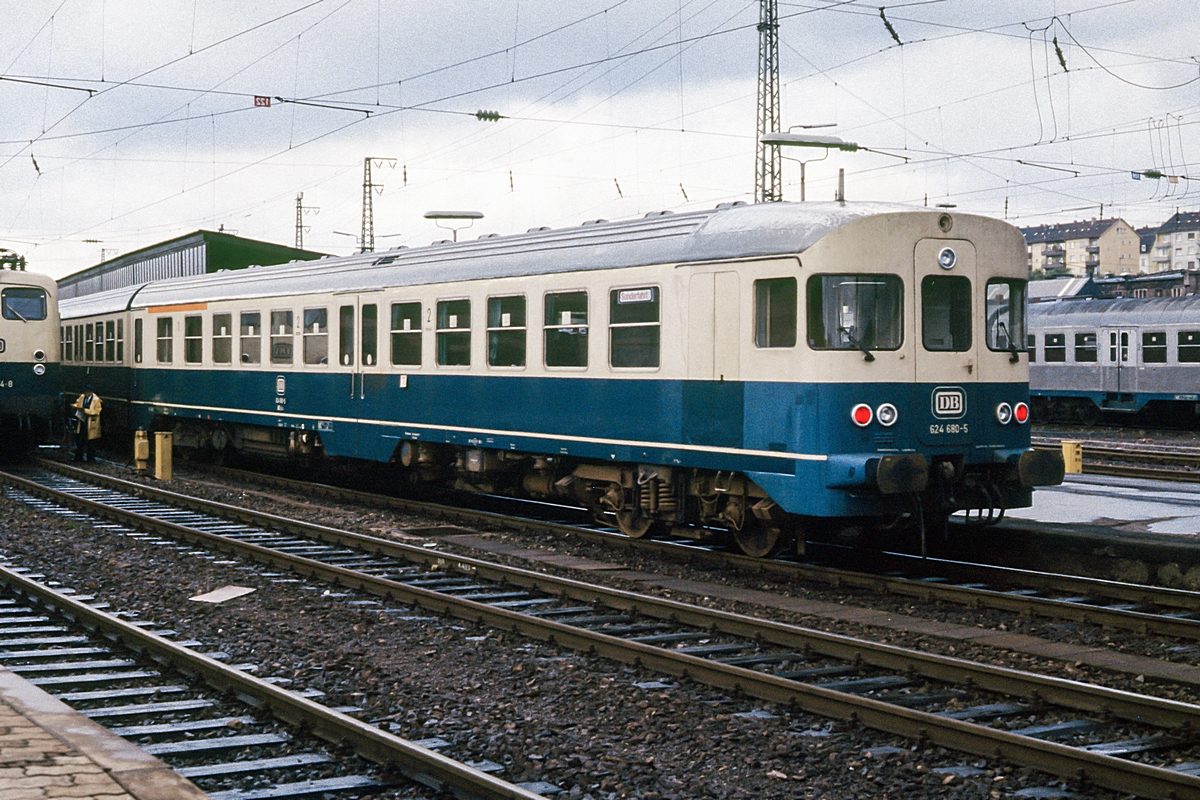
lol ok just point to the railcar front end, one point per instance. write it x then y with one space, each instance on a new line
29 403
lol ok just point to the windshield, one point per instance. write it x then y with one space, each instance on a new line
23 304
1006 315
946 312
855 312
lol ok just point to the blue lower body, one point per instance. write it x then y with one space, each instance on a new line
796 441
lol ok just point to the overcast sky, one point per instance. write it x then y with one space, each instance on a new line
612 108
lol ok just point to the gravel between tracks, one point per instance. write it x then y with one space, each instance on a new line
380 522
576 721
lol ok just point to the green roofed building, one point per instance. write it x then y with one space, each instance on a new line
194 254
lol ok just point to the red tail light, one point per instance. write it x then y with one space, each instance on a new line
1021 413
862 415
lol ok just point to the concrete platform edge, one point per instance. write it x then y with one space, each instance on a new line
140 774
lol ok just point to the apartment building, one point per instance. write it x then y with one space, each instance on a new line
1090 247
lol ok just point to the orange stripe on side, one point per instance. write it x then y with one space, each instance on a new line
179 307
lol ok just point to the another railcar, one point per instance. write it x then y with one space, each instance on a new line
1124 356
772 370
30 409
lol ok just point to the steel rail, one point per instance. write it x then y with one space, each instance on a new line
1141 622
1107 771
424 766
1092 466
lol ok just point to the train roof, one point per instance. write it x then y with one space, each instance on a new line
729 231
1101 313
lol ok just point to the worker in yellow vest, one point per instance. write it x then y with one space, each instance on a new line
87 412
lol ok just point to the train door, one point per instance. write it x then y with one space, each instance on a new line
358 350
712 395
1118 369
950 315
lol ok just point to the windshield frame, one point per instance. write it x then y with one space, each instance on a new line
885 332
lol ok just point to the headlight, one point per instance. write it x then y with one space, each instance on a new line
947 258
39 355
1004 413
39 369
887 415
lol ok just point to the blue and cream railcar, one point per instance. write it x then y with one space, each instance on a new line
29 400
750 367
1119 355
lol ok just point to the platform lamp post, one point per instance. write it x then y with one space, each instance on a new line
468 216
789 139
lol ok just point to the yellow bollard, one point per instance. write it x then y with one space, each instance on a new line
141 451
162 455
1073 457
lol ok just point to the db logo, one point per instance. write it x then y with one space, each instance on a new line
949 402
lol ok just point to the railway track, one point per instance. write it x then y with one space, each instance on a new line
1063 727
1154 462
236 736
1144 609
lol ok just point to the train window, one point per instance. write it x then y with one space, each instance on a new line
406 334
775 312
566 324
346 336
1154 347
316 336
110 340
120 341
89 347
1031 346
370 335
1005 314
1189 347
165 340
250 339
855 312
1056 347
193 340
22 303
946 313
633 327
1085 348
99 354
79 343
506 331
281 337
137 341
222 341
454 333
69 343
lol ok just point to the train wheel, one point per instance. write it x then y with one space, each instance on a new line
760 540
634 527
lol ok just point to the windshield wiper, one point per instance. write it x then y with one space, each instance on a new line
18 313
1013 345
867 354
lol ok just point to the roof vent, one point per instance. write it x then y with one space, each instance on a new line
595 221
384 260
663 213
488 236
734 204
539 229
442 241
